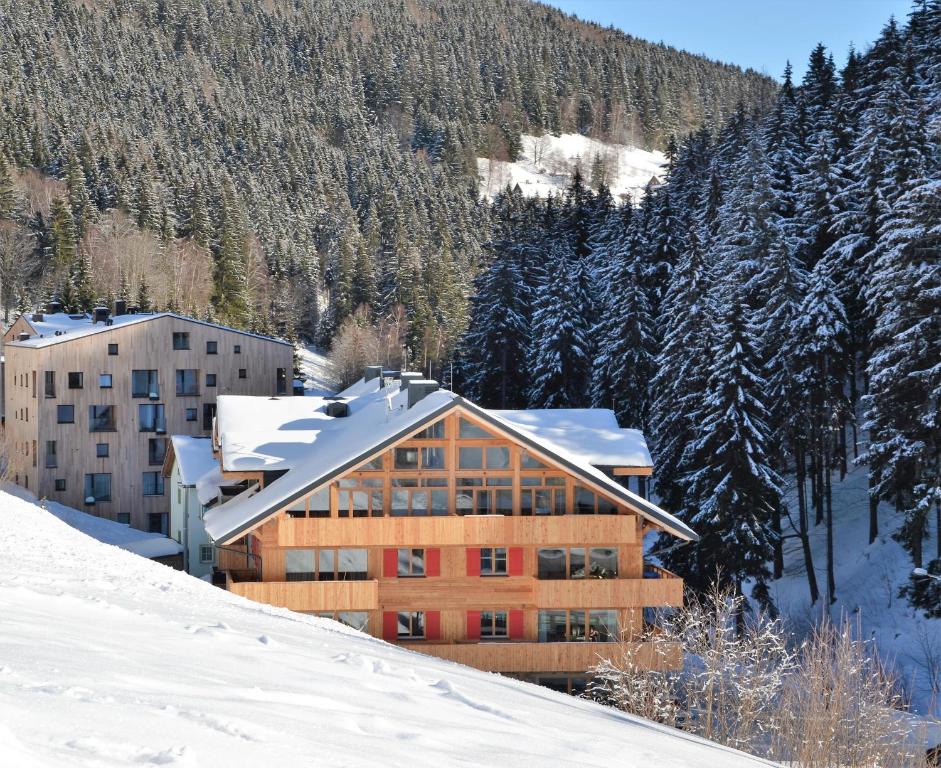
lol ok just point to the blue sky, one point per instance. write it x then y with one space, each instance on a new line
762 34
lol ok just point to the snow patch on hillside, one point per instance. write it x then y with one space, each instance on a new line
868 578
316 367
548 162
108 659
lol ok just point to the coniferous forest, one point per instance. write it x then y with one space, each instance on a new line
772 310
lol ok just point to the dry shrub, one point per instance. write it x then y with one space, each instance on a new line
828 703
355 346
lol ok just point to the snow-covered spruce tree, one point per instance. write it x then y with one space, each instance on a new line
494 349
732 491
560 353
681 370
818 340
624 336
903 407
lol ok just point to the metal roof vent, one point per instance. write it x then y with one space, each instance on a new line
337 409
23 337
37 317
419 389
372 372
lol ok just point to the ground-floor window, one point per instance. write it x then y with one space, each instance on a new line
411 625
493 625
206 554
559 626
325 564
355 619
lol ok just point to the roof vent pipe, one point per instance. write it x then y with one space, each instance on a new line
419 389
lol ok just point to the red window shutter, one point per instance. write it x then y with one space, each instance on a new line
432 625
433 562
390 563
473 561
515 561
516 625
473 625
390 626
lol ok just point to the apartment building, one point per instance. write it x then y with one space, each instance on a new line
91 399
507 540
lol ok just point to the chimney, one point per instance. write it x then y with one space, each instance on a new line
120 307
23 337
408 376
419 389
372 372
54 307
337 409
100 315
37 317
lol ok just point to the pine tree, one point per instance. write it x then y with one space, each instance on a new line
79 200
81 280
64 236
143 295
560 354
7 194
229 290
732 492
494 350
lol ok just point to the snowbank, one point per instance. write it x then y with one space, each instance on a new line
547 162
107 659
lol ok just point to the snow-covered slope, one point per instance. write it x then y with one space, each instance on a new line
108 659
547 164
316 367
868 578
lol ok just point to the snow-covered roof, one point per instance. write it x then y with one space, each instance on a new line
193 457
296 434
591 433
60 327
117 534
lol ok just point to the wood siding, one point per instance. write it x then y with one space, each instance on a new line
147 345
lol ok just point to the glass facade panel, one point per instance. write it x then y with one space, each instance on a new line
577 625
355 619
530 462
498 458
470 430
326 562
470 458
439 503
351 564
406 458
432 458
320 503
603 626
299 565
551 563
584 501
551 626
577 563
603 563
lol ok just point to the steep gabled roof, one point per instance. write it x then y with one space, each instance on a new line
364 437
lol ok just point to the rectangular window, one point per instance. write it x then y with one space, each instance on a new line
493 625
577 563
104 380
498 458
603 626
60 483
351 564
281 381
97 487
144 384
469 429
551 563
157 522
237 349
206 554
49 379
187 381
470 458
406 458
153 484
299 565
76 379
434 432
411 625
542 496
151 418
212 347
355 619
360 497
243 373
552 627
191 414
102 450
181 340
51 458
65 414
112 349
102 418
493 561
432 458
156 450
603 563
210 379
411 562
209 413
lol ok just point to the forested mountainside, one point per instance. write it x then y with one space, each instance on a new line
279 164
773 309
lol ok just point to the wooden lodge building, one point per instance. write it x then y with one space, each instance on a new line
90 401
506 540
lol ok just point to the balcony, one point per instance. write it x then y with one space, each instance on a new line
544 657
311 595
610 593
467 531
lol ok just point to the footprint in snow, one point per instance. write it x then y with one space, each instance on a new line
265 640
448 690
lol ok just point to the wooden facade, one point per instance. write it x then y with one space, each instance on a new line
435 493
52 457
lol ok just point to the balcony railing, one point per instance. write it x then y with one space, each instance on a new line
313 595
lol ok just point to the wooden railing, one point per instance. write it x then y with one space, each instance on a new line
470 531
609 593
545 657
312 595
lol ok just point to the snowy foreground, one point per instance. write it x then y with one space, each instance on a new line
108 659
547 162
